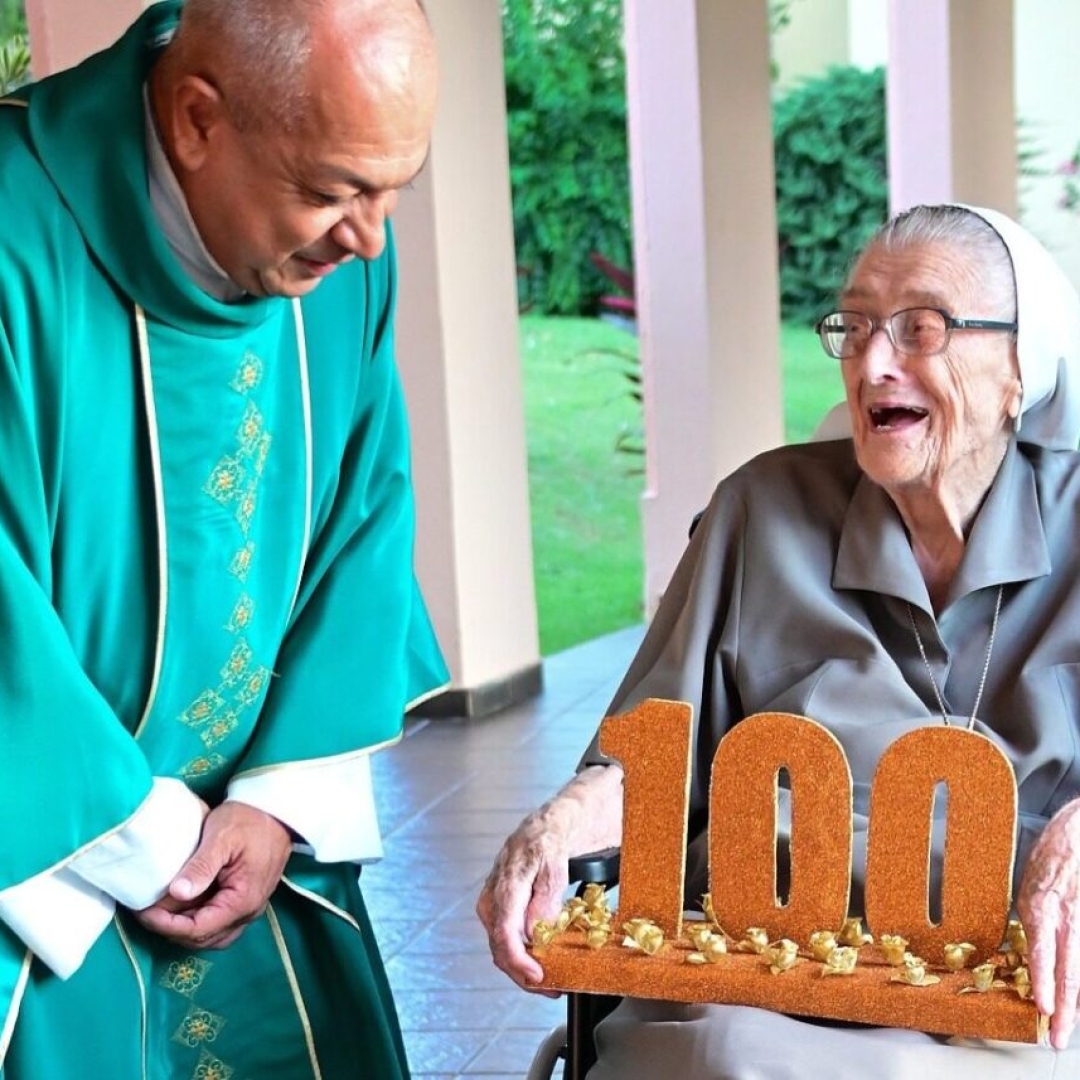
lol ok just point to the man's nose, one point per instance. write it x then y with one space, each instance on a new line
362 230
880 359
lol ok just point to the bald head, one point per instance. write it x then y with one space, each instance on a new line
291 125
266 55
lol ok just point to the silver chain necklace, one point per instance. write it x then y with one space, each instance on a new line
986 664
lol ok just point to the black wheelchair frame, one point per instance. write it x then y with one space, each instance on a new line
574 1042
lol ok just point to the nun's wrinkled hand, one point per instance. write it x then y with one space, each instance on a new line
1049 907
529 877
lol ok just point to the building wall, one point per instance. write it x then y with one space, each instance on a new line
815 39
1048 107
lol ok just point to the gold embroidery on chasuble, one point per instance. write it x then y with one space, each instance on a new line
240 566
210 1068
186 976
233 484
198 1026
202 766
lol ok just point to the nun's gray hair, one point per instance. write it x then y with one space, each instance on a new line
959 228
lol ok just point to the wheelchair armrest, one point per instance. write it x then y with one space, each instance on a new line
596 867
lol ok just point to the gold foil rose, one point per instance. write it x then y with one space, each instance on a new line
596 937
782 956
983 980
893 948
643 934
1016 945
851 933
841 961
756 940
822 943
543 934
957 955
701 934
914 973
1021 978
711 951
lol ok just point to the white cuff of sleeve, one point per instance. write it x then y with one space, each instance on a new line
58 916
136 864
331 805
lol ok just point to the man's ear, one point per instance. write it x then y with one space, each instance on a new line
197 115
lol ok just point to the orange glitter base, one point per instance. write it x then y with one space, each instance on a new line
866 996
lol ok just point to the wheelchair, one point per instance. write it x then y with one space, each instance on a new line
572 1042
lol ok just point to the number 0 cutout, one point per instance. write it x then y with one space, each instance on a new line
980 840
743 826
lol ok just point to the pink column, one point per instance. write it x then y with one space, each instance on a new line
918 96
705 254
63 32
950 98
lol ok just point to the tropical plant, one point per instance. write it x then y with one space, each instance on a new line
831 182
14 46
14 63
12 18
566 112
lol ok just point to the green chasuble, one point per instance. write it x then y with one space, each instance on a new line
205 573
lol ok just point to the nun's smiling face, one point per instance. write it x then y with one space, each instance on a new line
924 423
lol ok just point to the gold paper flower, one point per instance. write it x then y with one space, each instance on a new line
1021 978
1016 937
914 973
596 937
841 961
851 933
822 943
1016 946
782 956
595 896
893 948
712 951
756 940
983 980
700 934
957 955
643 934
544 933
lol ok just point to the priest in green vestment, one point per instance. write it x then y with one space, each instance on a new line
208 612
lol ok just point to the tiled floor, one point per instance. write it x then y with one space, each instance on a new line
449 794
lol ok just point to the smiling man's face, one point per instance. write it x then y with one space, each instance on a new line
921 421
279 206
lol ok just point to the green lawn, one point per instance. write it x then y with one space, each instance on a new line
584 492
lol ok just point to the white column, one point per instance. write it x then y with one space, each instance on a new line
457 344
950 97
705 254
63 32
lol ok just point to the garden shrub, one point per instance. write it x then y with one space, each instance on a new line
566 112
831 183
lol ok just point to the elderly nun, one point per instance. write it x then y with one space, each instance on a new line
924 568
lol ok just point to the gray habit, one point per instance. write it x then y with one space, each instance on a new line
792 597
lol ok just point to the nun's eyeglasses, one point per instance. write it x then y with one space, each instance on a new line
913 331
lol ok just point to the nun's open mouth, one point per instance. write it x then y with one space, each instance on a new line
896 417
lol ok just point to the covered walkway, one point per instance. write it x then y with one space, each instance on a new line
448 794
